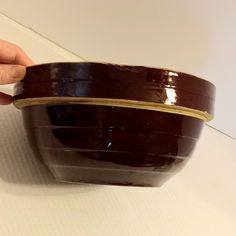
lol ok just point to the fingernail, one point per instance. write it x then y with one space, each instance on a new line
17 72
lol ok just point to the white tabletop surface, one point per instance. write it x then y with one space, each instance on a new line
198 201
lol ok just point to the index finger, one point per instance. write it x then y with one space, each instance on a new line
12 54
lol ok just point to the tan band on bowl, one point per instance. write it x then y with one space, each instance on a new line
153 106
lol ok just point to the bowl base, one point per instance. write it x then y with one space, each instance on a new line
90 175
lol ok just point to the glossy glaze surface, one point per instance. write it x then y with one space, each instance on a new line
99 80
81 120
111 145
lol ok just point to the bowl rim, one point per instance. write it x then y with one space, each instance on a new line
140 87
173 71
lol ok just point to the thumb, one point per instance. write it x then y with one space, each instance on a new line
11 73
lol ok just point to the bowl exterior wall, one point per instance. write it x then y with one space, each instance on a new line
111 145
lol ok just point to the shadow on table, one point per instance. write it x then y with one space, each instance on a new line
19 166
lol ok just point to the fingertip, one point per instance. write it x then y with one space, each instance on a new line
23 59
11 73
17 72
13 54
5 99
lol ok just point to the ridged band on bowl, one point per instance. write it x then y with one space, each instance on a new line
175 109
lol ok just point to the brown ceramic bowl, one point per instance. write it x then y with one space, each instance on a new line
112 124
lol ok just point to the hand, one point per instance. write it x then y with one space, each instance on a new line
13 62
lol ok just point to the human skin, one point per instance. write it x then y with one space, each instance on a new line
13 63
